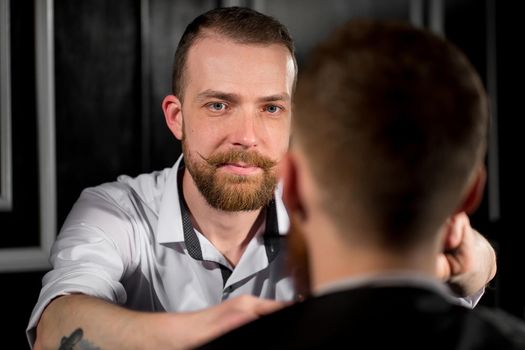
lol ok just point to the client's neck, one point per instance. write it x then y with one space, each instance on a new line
333 260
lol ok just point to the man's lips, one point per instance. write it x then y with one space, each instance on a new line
240 168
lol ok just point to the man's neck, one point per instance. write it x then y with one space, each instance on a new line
354 260
229 232
371 263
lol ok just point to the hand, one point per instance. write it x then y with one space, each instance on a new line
468 261
202 326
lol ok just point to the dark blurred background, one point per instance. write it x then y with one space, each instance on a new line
82 85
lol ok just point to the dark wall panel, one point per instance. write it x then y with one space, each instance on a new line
467 23
98 96
310 21
510 236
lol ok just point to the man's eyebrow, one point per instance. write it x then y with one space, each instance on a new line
220 95
226 96
278 97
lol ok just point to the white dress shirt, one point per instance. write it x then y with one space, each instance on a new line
125 242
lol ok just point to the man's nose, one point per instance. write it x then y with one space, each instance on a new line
245 130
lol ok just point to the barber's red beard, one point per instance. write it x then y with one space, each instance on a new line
231 192
298 262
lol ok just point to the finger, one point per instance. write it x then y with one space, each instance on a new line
442 267
455 231
455 263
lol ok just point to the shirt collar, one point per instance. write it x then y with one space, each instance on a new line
388 279
170 228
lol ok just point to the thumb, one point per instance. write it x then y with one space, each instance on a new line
454 231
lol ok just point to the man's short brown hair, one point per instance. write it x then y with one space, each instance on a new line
240 24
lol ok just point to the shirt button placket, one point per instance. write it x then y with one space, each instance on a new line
226 292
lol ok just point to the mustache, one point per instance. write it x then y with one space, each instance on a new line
250 158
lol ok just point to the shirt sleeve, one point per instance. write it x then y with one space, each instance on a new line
472 300
88 255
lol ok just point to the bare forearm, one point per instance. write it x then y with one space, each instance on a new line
92 323
88 323
85 322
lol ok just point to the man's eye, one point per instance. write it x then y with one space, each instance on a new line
273 109
217 106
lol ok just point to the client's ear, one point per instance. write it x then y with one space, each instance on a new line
474 192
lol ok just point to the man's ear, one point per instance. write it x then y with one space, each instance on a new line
291 195
474 192
172 108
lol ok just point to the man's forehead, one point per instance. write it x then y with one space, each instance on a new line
222 64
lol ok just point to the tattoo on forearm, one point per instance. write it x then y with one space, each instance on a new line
67 343
75 341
